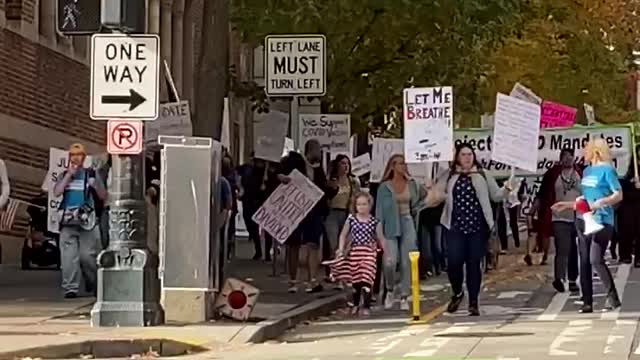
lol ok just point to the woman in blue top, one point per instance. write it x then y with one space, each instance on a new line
601 189
398 201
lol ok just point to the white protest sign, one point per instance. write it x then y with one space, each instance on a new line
516 130
174 120
361 165
58 163
333 131
289 146
382 150
428 124
269 131
590 114
521 92
550 142
295 65
487 121
283 211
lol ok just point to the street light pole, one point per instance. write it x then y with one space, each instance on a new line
128 282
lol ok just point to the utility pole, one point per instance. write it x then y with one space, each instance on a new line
128 283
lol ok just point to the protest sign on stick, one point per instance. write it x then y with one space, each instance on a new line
283 211
428 124
516 131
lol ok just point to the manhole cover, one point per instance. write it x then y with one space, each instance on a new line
487 334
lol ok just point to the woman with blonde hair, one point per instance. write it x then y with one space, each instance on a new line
398 202
601 189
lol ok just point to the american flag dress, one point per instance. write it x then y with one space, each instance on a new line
359 265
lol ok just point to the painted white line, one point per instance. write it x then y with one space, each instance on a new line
571 333
390 346
512 294
622 276
435 343
555 307
363 322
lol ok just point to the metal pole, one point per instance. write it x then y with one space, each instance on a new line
294 122
128 283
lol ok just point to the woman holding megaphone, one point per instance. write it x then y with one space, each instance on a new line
594 210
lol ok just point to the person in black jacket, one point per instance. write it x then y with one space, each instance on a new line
629 226
304 242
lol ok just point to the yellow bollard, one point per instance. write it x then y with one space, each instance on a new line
415 285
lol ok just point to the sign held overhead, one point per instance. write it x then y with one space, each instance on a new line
125 72
295 65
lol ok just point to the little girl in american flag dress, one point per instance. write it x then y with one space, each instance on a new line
358 267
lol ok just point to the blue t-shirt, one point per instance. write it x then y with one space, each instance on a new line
74 194
598 182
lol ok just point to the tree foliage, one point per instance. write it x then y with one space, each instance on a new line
570 51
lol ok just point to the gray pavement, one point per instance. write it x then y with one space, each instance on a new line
523 318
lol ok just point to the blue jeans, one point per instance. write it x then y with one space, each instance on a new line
78 251
398 250
469 250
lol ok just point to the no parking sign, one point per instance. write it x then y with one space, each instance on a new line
124 137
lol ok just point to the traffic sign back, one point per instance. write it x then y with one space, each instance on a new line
125 71
124 137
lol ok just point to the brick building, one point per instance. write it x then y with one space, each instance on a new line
44 89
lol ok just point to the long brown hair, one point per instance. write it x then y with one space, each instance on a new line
388 170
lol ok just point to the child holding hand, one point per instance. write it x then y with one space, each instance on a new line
357 267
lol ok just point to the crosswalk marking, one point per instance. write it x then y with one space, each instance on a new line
555 307
435 343
575 330
622 275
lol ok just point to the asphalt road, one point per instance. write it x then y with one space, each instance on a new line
523 318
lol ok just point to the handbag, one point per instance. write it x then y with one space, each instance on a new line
83 216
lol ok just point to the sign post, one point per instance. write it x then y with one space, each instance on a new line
295 65
125 89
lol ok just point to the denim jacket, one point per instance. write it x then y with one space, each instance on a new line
387 209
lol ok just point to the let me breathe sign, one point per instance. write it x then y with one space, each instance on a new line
295 65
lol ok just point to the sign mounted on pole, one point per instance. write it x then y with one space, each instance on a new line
125 72
77 17
295 65
124 137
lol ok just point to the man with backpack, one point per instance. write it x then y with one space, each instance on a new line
80 189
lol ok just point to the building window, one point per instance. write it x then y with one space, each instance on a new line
13 9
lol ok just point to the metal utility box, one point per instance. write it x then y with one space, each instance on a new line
189 227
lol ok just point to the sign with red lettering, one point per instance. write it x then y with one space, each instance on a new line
124 137
295 65
428 124
557 115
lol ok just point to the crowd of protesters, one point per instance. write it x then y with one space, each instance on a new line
449 220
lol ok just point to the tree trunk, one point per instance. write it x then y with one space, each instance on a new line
212 69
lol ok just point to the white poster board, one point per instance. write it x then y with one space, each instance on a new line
333 131
283 211
428 124
269 132
174 120
361 165
383 149
289 146
58 163
522 92
516 131
590 114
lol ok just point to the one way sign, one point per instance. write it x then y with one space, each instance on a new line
124 76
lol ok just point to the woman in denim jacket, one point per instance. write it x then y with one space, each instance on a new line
467 192
398 202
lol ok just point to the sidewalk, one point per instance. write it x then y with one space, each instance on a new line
34 315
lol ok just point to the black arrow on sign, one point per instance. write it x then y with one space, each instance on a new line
133 99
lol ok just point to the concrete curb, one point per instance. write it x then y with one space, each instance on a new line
272 328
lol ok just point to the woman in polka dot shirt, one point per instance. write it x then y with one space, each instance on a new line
467 218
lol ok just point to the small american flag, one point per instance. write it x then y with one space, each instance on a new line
8 215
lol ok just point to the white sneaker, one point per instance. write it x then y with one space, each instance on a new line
404 304
389 301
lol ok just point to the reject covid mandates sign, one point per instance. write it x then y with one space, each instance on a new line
295 65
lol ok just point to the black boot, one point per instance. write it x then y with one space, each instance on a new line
454 304
613 300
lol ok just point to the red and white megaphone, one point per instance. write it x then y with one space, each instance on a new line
591 226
